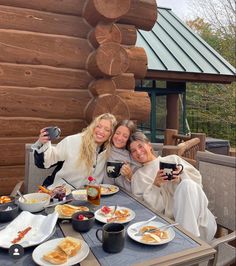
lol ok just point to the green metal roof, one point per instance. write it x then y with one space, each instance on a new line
171 46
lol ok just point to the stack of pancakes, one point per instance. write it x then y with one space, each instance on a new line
68 247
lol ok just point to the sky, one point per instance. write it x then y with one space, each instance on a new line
179 7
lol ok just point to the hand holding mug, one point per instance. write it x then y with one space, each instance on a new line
171 170
160 178
49 133
126 171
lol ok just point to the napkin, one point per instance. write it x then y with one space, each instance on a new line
41 228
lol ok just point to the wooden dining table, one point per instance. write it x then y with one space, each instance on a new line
184 249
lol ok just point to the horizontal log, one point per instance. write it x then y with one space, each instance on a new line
138 104
44 22
110 59
74 7
124 81
142 14
107 103
30 126
113 32
43 102
9 177
40 76
102 86
106 11
24 47
137 61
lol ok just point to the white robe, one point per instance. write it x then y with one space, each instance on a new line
185 202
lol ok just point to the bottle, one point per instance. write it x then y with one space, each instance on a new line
93 191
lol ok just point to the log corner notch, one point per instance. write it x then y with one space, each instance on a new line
116 62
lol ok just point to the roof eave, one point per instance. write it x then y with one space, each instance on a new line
190 77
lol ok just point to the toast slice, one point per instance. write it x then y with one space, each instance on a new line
70 245
56 256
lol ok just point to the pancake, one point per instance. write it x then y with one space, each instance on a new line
67 210
70 246
56 256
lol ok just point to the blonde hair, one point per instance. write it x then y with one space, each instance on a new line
88 145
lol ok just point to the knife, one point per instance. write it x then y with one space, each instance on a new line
161 228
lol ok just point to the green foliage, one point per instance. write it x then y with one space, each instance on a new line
211 107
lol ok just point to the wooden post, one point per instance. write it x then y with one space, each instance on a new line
168 138
202 137
172 119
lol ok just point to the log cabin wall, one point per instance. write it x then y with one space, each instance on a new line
64 62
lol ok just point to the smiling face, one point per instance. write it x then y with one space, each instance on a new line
141 151
121 137
102 131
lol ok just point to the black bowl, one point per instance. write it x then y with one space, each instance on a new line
8 215
82 225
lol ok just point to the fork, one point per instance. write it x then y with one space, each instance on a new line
137 228
161 228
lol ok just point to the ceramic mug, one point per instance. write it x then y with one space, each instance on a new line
53 132
113 169
112 236
169 168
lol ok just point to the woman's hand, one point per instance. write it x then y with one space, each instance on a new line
160 179
176 177
43 136
126 171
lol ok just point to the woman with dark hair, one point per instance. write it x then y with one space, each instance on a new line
77 156
181 198
119 153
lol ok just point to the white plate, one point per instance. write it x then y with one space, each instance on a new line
103 219
68 189
131 233
50 245
69 217
107 188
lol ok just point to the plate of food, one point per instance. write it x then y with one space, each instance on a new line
108 214
56 191
150 234
66 211
63 251
107 189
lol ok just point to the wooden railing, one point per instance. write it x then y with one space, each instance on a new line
185 146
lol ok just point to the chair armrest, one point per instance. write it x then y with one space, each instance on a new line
223 239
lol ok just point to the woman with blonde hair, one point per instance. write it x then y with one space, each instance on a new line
77 156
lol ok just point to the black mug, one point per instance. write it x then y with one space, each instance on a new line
113 169
113 237
53 132
169 168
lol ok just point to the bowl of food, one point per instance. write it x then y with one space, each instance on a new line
82 221
8 211
34 202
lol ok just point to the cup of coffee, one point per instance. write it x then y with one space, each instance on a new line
113 169
169 168
112 237
53 132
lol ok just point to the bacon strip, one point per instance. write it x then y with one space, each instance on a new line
21 234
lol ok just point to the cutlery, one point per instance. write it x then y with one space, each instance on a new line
136 229
57 203
69 183
161 228
21 195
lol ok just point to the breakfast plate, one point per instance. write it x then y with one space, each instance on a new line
66 211
107 189
123 215
170 233
44 248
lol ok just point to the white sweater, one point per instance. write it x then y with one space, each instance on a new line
68 151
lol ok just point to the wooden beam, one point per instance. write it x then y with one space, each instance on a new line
43 102
40 76
74 7
24 47
43 22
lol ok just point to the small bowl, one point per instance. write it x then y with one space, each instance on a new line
82 225
8 215
34 202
